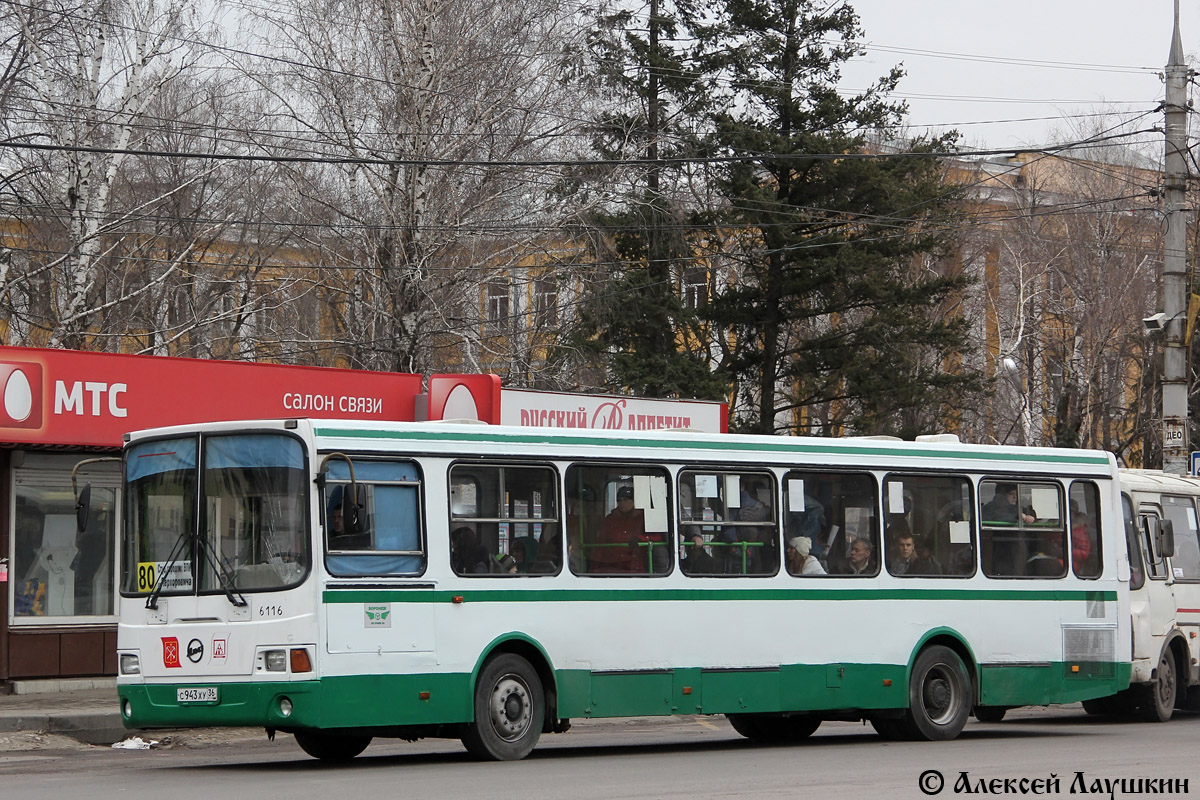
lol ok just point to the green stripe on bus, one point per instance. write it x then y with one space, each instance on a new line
782 446
640 595
352 701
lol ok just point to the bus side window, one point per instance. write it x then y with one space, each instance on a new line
389 540
1156 565
504 520
1137 573
1185 561
617 520
728 524
1022 529
1085 529
837 512
930 530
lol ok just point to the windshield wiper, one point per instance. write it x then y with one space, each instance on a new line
222 575
227 582
152 600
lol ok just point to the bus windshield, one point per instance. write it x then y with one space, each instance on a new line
251 517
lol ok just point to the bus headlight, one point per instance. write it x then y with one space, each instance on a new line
275 660
130 664
285 707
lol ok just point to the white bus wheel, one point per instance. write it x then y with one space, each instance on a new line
509 710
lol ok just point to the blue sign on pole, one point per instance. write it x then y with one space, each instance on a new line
1195 462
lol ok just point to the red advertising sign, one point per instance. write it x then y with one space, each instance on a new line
76 398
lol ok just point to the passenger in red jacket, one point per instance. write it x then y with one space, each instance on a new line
624 525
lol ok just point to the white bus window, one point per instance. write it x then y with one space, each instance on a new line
1185 563
727 523
389 539
836 514
1023 529
932 534
1085 529
504 520
616 520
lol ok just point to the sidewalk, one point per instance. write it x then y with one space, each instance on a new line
86 710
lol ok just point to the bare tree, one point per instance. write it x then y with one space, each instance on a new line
1069 265
435 109
94 71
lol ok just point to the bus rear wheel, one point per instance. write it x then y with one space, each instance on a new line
509 710
939 695
1158 704
774 727
331 746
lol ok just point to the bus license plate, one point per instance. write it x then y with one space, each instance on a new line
203 694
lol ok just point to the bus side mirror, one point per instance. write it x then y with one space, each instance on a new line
1165 543
82 506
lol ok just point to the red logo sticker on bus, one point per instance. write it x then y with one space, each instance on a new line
170 651
218 649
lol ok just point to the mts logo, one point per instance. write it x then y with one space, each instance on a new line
89 397
21 384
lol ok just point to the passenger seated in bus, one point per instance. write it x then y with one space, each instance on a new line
799 560
549 554
617 539
697 560
1047 560
524 550
811 523
926 562
467 555
339 539
904 551
862 558
507 564
1003 506
1081 538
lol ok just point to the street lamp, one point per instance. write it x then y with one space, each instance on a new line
1012 371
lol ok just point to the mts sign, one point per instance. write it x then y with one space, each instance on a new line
89 398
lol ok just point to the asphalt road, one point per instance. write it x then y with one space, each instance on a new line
690 758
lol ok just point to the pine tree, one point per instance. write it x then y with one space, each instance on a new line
632 318
839 306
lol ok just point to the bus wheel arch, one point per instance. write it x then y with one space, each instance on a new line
532 652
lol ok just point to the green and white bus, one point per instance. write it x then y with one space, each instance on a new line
1163 540
343 580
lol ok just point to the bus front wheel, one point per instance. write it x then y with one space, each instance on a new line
939 695
1159 701
509 710
330 746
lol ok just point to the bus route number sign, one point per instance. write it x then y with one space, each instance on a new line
179 576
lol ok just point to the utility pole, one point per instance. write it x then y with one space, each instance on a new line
1175 272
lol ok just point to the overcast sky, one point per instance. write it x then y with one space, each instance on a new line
1092 56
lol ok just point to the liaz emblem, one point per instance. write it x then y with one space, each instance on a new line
378 615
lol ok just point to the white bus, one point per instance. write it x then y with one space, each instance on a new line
344 580
1164 553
